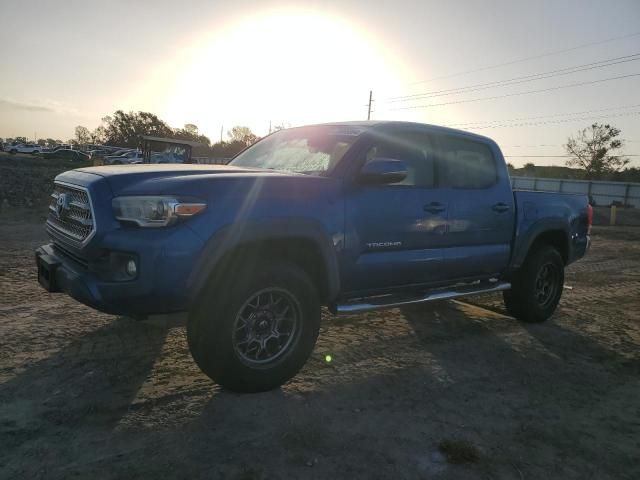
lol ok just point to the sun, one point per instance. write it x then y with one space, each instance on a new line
282 66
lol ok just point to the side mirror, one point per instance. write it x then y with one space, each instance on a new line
382 171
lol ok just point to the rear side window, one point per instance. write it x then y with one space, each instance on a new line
467 164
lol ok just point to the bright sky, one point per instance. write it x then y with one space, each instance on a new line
219 64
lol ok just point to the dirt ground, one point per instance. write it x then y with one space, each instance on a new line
457 390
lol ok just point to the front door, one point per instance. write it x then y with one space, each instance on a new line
396 233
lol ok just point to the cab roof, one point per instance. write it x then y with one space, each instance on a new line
378 124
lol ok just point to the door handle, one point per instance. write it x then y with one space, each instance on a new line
500 207
434 207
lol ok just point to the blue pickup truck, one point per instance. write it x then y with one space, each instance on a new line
351 216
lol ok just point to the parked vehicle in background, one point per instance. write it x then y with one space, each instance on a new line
55 148
354 216
131 156
67 154
25 148
120 151
99 153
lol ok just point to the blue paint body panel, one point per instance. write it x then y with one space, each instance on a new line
371 238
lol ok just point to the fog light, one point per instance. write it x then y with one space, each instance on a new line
132 269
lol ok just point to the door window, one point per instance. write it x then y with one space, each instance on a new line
467 164
414 149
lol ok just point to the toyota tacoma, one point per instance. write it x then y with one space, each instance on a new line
351 216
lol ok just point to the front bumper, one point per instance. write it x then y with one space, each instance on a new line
166 260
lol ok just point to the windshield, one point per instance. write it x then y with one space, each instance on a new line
308 150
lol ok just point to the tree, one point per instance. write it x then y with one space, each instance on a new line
42 142
98 135
243 135
83 136
593 149
123 129
191 129
227 149
51 141
190 132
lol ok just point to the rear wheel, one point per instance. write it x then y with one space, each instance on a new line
537 287
255 332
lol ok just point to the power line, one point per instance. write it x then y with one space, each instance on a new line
543 116
566 120
562 156
518 93
552 145
533 146
526 59
518 80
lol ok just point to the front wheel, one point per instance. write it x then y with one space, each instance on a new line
537 287
255 332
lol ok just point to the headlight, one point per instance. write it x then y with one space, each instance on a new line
147 211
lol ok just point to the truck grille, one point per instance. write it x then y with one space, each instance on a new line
70 213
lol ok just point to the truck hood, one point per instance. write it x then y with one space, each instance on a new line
126 177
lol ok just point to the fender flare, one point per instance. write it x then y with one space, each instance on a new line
242 233
523 247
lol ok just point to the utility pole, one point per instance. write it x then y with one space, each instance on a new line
221 129
269 127
370 99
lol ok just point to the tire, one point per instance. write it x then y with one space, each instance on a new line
13 152
248 306
537 287
116 162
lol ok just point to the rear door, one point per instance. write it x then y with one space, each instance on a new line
481 206
396 232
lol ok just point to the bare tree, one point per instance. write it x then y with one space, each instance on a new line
83 136
593 149
98 135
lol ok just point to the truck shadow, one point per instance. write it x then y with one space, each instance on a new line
469 374
379 409
89 383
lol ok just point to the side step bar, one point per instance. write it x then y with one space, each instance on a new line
390 301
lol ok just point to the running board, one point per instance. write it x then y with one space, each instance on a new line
392 301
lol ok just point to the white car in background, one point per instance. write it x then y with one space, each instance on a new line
24 148
129 157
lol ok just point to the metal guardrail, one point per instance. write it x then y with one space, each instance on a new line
603 194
